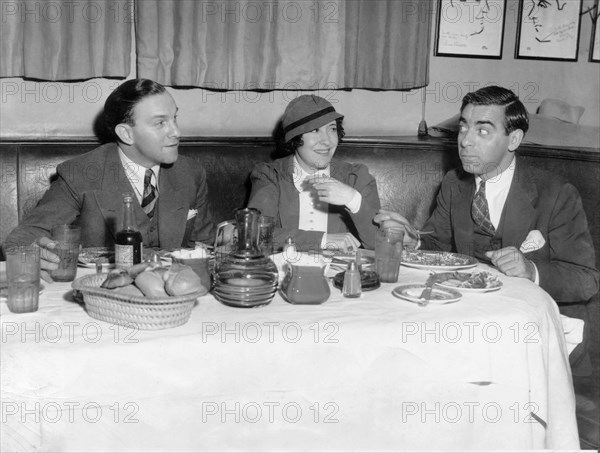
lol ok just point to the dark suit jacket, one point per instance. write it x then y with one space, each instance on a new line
537 200
274 194
88 191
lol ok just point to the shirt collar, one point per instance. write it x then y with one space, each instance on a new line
135 172
300 174
499 182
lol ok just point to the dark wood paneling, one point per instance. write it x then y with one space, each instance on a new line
8 188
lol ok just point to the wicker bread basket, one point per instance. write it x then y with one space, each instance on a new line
135 311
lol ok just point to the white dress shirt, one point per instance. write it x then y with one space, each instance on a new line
313 213
496 192
135 174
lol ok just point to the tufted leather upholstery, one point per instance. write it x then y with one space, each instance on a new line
408 172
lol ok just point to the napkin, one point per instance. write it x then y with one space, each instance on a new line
573 330
534 241
192 213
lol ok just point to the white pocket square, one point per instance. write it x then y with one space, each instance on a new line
534 241
192 213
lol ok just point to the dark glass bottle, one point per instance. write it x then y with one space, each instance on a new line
128 241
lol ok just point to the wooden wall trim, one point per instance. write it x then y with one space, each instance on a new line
408 142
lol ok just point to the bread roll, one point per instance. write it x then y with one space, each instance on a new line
130 290
151 284
186 281
116 279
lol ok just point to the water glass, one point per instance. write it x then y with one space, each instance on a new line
23 275
388 253
266 226
68 239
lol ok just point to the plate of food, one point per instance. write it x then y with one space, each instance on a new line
476 281
88 257
430 259
438 296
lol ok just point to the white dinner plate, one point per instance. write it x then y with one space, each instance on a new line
105 266
453 280
439 296
442 261
89 256
366 262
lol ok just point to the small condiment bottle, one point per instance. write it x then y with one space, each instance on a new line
352 287
289 250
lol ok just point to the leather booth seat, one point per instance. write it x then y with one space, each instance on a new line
408 172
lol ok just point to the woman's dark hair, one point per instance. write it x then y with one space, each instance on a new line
515 113
290 147
119 105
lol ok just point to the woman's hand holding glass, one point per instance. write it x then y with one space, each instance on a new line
332 191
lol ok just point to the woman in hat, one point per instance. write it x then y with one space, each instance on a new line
318 201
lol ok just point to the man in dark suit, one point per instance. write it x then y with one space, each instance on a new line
141 117
527 222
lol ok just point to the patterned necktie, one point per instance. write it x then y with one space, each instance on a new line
480 211
150 194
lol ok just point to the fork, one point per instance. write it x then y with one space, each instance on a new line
416 231
426 293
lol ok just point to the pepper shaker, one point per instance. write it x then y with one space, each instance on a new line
351 287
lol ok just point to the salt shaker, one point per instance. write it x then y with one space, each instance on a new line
289 250
351 287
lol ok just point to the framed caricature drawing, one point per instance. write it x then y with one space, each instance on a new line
470 28
595 42
548 29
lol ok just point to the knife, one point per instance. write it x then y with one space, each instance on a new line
426 293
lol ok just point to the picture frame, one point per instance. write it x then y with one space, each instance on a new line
470 28
548 29
595 41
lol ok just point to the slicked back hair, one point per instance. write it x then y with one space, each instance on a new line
119 105
515 113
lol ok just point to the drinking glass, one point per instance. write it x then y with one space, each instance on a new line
388 253
68 239
23 275
266 225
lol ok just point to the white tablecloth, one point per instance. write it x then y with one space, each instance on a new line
489 372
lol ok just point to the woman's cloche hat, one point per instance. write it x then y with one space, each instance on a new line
307 113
